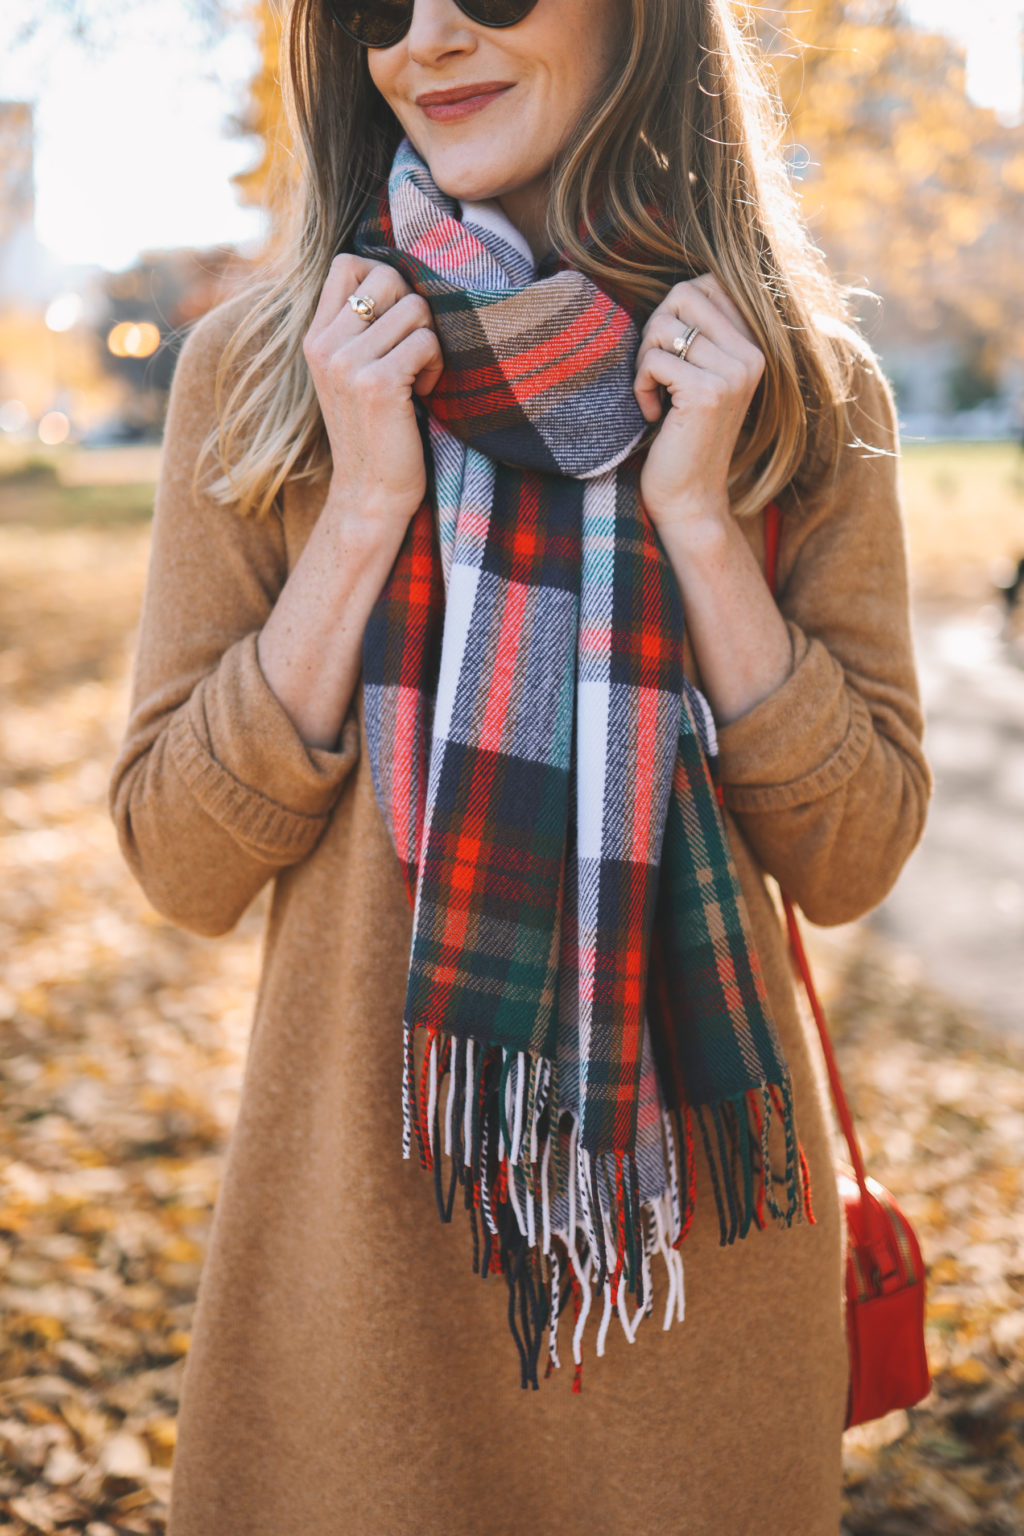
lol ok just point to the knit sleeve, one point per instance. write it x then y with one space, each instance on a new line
826 777
213 789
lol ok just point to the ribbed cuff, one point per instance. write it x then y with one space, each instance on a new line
234 735
802 742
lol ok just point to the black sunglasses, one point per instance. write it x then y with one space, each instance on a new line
382 23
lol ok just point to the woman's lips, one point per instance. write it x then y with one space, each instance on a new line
454 105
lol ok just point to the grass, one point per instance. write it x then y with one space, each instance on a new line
37 491
964 505
75 506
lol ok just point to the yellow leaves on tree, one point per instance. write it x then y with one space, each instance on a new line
910 185
270 182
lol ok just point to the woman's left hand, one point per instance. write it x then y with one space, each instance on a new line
686 472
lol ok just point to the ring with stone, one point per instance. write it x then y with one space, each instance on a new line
363 306
682 344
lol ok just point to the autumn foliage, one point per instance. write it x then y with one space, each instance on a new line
907 185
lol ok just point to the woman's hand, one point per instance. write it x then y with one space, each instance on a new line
740 640
365 374
686 472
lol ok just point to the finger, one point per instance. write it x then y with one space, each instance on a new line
384 287
692 306
703 353
354 274
432 369
345 274
377 338
716 293
709 284
717 346
416 362
745 360
713 381
648 384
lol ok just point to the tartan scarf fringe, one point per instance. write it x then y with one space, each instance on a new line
484 1120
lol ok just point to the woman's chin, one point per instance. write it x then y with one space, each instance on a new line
465 174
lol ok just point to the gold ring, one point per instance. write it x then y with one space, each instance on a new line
682 344
363 306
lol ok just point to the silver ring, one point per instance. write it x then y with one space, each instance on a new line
682 344
363 306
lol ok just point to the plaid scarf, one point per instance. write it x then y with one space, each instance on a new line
582 990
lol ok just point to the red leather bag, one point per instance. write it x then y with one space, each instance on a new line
885 1276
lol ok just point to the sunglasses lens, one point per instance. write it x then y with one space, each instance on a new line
496 13
382 23
374 23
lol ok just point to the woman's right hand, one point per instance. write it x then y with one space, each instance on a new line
365 375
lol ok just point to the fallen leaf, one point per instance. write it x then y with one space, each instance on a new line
124 1456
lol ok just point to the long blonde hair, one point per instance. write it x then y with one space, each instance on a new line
691 125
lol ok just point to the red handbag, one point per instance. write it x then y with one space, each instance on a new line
885 1276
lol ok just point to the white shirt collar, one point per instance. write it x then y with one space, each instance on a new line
489 215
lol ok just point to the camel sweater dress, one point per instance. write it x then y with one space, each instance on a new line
349 1375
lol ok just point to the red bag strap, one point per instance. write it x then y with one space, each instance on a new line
772 525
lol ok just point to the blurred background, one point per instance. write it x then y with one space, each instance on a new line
140 145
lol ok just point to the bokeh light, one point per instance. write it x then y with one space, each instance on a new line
14 416
64 312
54 428
131 338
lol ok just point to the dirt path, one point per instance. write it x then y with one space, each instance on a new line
959 904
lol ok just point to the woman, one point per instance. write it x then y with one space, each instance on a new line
434 508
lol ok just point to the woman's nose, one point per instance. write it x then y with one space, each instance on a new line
438 29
